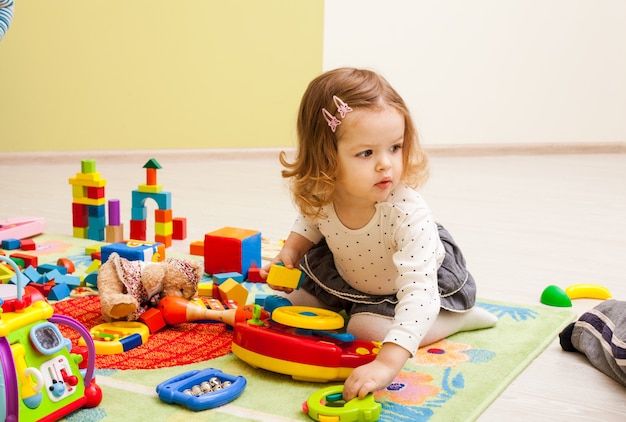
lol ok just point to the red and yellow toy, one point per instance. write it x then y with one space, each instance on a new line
298 341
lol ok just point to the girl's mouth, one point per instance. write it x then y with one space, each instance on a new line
384 184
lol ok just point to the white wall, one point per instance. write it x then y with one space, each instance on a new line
493 71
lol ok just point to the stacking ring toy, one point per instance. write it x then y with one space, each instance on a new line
327 404
308 318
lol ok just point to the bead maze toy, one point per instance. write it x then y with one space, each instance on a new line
299 341
201 390
42 377
328 405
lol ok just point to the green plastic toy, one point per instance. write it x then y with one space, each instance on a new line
328 402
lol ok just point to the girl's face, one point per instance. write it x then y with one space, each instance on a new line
369 156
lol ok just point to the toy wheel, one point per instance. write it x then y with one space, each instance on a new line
308 318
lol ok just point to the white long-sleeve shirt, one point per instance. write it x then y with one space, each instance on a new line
397 252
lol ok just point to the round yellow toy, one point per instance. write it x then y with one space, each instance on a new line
308 318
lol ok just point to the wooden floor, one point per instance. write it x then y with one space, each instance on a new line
524 222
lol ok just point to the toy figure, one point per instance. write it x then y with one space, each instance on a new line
125 286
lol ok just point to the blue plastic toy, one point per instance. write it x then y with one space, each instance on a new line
201 390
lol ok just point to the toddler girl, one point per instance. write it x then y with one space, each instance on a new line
365 237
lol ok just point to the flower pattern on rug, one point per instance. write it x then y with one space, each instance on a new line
409 389
444 353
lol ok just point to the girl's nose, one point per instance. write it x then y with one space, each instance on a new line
383 162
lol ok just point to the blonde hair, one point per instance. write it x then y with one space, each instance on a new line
312 173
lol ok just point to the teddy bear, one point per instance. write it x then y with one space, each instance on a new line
125 287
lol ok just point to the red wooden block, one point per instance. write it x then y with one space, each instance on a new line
153 319
138 229
95 192
179 228
254 275
28 245
80 215
28 259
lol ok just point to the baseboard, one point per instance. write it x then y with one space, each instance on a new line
16 158
527 149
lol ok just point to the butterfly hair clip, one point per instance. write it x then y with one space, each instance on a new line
342 109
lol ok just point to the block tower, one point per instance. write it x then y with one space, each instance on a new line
163 225
88 202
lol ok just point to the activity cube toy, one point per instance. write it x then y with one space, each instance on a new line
40 378
135 250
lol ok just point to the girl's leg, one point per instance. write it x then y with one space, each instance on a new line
373 327
369 326
448 323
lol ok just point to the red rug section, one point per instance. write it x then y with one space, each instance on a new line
171 346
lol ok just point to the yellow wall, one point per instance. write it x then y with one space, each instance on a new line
88 75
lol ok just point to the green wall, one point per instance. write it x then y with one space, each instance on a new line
85 75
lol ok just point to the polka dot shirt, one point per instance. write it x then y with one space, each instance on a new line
398 251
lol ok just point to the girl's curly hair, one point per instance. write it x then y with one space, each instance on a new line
312 173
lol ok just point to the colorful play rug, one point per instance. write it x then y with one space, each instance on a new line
455 379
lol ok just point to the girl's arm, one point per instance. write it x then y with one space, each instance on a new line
377 374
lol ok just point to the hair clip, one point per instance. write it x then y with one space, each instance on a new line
342 107
333 122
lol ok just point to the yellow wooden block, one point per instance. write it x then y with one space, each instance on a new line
6 273
231 290
282 276
164 229
91 249
88 179
80 232
89 201
79 191
94 266
150 188
205 289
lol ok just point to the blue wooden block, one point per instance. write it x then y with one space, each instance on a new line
91 279
222 277
32 275
96 211
59 291
10 244
138 213
51 275
45 268
72 281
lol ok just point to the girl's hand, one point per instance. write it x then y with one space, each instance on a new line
292 251
377 374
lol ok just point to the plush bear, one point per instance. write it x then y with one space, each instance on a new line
125 287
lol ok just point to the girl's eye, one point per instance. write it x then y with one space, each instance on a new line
396 148
366 153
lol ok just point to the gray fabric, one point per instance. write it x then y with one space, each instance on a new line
600 334
456 285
